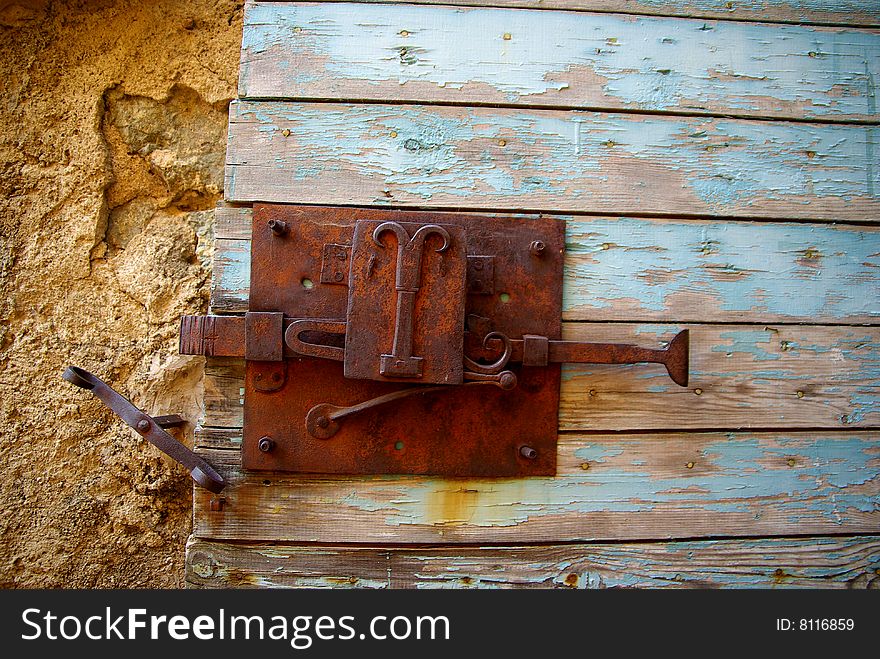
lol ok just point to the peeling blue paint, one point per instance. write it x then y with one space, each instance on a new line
501 55
457 154
750 342
740 475
610 261
235 269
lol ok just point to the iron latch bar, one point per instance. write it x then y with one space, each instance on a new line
228 332
150 428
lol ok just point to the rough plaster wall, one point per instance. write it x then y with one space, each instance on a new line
112 140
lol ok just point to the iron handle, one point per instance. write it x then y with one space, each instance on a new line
150 428
323 420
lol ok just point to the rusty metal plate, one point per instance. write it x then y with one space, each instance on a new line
454 430
406 303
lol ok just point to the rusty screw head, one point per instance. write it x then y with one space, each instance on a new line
507 380
279 227
143 425
537 248
266 444
322 422
528 452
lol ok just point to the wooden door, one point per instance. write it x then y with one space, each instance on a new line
718 175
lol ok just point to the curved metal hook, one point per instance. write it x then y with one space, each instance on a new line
495 367
418 238
396 229
422 234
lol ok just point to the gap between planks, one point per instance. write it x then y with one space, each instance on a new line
833 13
353 100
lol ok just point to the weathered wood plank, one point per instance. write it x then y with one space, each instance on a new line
231 275
848 562
617 486
625 269
232 222
742 376
845 12
224 393
425 54
486 158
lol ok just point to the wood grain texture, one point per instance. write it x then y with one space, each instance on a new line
232 221
845 12
425 54
742 376
624 269
614 486
486 158
848 562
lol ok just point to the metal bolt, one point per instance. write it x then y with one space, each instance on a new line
338 276
217 504
266 444
537 248
528 452
322 422
143 425
279 227
507 380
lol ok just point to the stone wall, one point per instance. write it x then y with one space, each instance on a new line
112 140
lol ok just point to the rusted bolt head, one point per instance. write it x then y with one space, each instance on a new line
338 276
322 422
537 248
266 444
278 227
507 380
528 452
216 505
143 425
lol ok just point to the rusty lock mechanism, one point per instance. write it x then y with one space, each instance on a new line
405 342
